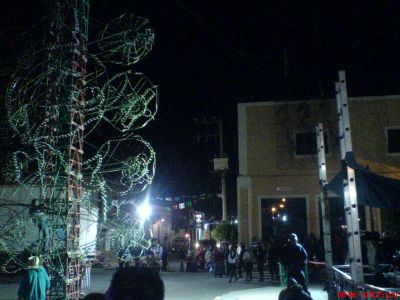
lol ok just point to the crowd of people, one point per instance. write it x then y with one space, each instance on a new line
237 261
233 261
229 259
139 257
128 283
240 260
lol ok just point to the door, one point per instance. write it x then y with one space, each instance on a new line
282 216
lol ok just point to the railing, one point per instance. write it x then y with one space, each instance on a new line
341 286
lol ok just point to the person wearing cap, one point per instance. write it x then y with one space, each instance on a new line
294 259
294 291
35 283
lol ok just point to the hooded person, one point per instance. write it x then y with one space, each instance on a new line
135 283
294 259
294 291
35 283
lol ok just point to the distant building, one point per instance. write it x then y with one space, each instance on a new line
21 225
278 183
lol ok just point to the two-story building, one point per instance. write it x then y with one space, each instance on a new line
278 182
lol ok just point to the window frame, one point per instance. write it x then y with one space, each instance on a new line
327 144
387 128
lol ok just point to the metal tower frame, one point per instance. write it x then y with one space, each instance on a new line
323 198
64 212
349 182
74 190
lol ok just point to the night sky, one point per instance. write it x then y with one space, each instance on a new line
210 55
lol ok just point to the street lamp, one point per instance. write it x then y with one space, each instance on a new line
144 210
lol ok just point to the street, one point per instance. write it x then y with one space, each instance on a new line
183 285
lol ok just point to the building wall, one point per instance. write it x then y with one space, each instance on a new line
16 219
268 166
243 207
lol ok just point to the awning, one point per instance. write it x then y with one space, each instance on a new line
372 189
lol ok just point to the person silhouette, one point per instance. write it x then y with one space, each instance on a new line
135 283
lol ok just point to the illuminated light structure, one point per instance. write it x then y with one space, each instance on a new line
144 210
55 107
66 272
130 232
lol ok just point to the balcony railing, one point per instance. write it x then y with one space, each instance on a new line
341 286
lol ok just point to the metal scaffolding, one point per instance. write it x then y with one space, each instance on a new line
66 274
323 198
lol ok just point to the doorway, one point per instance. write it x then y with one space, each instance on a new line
282 216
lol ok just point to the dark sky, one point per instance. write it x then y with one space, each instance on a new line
209 55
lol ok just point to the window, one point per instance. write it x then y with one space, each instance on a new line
393 140
306 143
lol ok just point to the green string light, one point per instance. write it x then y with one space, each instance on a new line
38 111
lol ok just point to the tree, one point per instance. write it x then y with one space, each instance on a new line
225 232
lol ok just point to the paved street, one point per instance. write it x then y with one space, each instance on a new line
182 286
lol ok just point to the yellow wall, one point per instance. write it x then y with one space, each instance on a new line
266 131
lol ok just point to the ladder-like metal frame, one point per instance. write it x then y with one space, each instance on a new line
323 198
349 182
71 27
80 9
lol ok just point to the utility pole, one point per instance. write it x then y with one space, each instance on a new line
221 164
223 173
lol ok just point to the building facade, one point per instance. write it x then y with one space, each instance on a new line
278 182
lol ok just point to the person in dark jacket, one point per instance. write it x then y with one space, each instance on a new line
37 211
94 296
294 260
248 262
260 257
164 258
272 258
385 249
231 263
219 262
241 265
294 291
122 258
132 283
182 257
35 283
